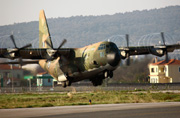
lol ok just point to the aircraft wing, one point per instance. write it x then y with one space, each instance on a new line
143 50
21 62
32 53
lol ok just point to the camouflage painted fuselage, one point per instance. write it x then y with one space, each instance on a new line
78 63
82 63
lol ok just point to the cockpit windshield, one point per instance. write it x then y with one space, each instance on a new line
113 46
102 46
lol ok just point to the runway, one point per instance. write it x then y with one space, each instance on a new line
129 110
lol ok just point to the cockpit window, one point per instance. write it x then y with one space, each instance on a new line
107 46
113 46
102 46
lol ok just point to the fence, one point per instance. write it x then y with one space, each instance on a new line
88 88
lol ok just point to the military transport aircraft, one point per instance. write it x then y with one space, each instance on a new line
67 65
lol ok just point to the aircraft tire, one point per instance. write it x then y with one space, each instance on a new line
68 83
99 81
64 84
95 84
110 74
105 74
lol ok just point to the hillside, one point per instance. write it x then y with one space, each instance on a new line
83 30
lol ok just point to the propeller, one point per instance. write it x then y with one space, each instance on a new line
128 58
16 49
165 50
24 47
54 51
63 42
12 38
14 53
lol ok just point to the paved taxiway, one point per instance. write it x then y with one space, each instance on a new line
135 110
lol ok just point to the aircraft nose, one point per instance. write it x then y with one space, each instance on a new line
113 58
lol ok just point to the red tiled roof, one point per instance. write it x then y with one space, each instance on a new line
8 67
170 62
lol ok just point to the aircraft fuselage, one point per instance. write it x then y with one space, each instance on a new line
84 63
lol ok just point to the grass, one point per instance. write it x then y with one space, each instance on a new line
30 100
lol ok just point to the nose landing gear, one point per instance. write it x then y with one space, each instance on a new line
66 83
108 73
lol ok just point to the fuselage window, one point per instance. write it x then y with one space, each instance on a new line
101 54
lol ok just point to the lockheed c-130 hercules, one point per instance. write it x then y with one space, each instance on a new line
67 65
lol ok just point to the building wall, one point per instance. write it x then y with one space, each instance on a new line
164 79
160 74
174 72
154 79
164 73
9 74
153 70
15 73
46 81
166 70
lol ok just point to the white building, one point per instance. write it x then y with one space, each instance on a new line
165 72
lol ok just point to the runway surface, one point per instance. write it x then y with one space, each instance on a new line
135 110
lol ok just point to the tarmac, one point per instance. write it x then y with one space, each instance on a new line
129 110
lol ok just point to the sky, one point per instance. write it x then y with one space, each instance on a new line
16 11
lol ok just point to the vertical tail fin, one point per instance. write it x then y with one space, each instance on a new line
44 35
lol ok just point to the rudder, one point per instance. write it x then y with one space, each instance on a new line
44 35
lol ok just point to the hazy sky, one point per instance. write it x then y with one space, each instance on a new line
15 11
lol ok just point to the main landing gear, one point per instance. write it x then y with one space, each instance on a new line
99 79
108 74
66 83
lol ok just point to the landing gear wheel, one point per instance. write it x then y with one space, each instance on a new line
64 84
68 83
95 84
97 81
105 74
110 74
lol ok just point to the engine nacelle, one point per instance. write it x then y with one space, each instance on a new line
157 51
62 78
11 53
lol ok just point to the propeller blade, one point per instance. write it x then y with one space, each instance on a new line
127 40
166 56
26 46
162 36
49 44
166 52
51 57
128 58
12 38
63 42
